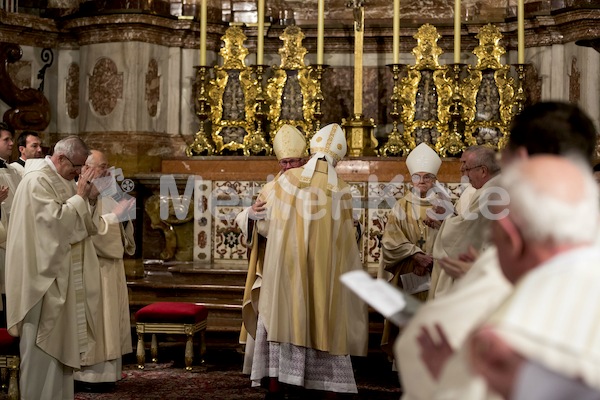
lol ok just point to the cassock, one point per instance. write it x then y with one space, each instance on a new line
52 280
9 177
303 307
112 241
458 232
405 234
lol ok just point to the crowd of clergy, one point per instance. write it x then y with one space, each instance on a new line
505 275
63 234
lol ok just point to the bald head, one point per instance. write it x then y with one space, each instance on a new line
97 159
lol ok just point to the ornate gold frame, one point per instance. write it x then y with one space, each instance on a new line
488 54
426 53
234 54
292 59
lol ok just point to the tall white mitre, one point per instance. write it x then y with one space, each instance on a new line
423 159
289 142
329 143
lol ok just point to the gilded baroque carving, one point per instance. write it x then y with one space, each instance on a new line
488 93
232 95
425 94
176 231
105 86
291 91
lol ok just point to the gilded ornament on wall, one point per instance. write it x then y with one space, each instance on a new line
291 91
232 95
488 93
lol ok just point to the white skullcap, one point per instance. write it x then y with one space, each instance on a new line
423 159
329 143
289 142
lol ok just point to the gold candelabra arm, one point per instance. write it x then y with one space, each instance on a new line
255 142
318 70
520 95
452 143
398 144
201 144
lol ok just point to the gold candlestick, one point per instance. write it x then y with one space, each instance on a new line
397 144
255 143
520 95
201 144
318 113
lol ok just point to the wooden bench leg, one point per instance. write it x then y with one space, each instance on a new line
154 348
202 346
189 352
141 351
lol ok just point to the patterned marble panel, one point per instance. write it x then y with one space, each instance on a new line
359 215
105 86
376 220
203 243
72 91
385 194
232 193
229 243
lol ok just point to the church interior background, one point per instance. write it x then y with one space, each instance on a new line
187 95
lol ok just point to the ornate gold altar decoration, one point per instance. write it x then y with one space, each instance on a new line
291 91
425 97
488 93
232 96
175 230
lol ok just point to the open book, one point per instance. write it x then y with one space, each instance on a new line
391 302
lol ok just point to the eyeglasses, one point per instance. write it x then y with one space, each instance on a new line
75 166
468 169
426 178
293 162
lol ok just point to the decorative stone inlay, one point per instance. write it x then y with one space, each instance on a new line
203 221
152 88
229 243
105 86
377 218
72 91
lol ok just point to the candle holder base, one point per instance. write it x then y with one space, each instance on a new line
360 136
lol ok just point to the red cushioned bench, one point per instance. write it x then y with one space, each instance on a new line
170 318
10 360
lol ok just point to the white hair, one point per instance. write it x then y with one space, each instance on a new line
544 218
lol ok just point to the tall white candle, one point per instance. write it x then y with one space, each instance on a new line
521 32
320 31
396 33
456 31
203 32
261 32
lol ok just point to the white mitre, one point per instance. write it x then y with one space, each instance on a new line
423 159
289 142
329 143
